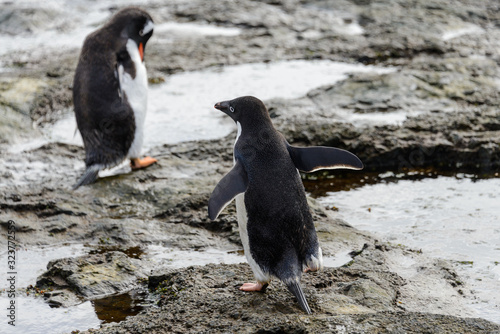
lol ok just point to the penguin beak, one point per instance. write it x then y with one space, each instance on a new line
141 51
222 106
225 108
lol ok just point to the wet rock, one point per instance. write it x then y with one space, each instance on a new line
20 94
406 90
17 20
17 98
442 138
12 125
207 298
446 79
91 276
62 298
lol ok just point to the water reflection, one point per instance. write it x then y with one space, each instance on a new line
118 307
454 217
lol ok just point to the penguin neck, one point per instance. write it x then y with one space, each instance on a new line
254 126
133 51
257 136
238 134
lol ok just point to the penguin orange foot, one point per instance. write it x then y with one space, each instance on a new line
258 287
110 91
137 163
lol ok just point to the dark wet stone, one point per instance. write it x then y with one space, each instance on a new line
201 299
452 82
93 275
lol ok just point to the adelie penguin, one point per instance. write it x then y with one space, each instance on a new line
275 224
110 93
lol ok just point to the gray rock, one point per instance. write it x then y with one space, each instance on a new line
18 20
343 300
89 276
449 78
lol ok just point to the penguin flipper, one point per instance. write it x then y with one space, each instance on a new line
295 288
88 177
233 183
310 159
119 76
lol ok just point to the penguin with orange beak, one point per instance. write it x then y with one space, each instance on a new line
110 91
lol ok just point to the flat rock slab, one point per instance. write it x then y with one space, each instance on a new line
448 75
207 300
89 276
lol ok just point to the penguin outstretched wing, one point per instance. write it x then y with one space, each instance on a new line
310 159
233 183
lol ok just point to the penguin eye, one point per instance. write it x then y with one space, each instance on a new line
141 32
231 109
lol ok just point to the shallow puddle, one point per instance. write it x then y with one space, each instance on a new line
54 27
459 31
164 257
450 217
181 109
32 262
33 311
35 316
455 218
118 307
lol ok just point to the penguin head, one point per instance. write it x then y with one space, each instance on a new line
133 23
247 110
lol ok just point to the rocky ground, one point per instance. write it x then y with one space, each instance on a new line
448 82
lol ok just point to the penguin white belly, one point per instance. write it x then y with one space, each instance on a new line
241 213
136 90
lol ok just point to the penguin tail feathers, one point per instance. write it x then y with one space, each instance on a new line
88 177
295 288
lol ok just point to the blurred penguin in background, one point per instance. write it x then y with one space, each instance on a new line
110 91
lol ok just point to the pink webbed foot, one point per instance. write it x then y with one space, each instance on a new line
307 269
141 163
313 264
254 287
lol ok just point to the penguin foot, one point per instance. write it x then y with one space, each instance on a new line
141 163
314 262
256 287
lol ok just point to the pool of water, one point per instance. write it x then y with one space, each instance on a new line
181 109
59 25
33 311
451 217
35 316
163 257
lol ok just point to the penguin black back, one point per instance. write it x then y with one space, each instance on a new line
104 116
276 226
281 229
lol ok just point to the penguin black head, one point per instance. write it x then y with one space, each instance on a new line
132 23
245 110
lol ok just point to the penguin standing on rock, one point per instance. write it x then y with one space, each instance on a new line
275 224
110 93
